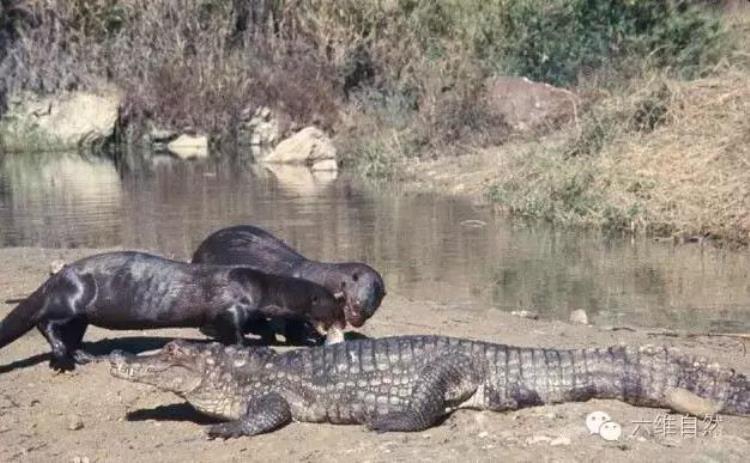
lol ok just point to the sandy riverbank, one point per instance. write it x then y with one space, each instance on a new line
124 422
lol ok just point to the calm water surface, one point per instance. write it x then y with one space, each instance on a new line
422 244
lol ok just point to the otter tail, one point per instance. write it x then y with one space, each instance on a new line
23 317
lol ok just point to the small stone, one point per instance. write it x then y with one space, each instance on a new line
159 135
189 147
75 422
537 439
482 434
325 165
308 146
562 440
473 223
579 316
264 112
525 314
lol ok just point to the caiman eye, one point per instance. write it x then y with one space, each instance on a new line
355 277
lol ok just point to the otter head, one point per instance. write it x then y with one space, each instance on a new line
362 287
313 302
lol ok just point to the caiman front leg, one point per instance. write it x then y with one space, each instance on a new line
443 383
263 414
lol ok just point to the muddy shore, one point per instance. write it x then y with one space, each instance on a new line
90 416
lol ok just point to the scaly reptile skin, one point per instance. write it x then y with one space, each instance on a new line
407 383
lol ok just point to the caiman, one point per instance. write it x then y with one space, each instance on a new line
407 383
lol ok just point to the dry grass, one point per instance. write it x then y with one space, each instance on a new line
654 154
680 169
691 175
181 64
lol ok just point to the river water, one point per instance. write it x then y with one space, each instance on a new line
427 246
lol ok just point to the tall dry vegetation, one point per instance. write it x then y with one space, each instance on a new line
409 72
654 153
181 64
208 64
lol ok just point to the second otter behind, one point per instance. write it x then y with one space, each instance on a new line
247 245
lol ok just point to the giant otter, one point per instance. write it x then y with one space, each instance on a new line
362 286
133 290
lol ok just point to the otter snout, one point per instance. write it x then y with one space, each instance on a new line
364 303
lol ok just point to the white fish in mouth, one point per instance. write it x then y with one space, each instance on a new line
334 334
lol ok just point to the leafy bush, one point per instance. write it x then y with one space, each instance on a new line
557 40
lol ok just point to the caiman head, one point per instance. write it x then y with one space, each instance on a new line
205 374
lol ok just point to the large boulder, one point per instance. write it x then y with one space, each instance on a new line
308 147
58 122
530 106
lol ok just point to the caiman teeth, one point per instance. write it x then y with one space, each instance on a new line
123 371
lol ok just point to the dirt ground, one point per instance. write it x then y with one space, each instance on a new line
90 416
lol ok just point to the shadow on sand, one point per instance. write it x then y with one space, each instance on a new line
134 345
172 412
101 348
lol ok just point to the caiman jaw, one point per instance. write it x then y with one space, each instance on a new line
126 366
119 367
157 369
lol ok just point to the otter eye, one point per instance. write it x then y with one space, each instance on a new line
315 299
355 277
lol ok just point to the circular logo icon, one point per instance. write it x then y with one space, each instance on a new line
594 421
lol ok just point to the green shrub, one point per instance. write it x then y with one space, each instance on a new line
557 40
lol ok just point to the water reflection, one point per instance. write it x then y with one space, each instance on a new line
417 241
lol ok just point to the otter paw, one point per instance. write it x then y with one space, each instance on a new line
62 364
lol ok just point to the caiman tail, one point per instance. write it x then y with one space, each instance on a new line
646 376
666 377
23 317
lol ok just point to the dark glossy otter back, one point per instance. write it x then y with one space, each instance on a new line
254 247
